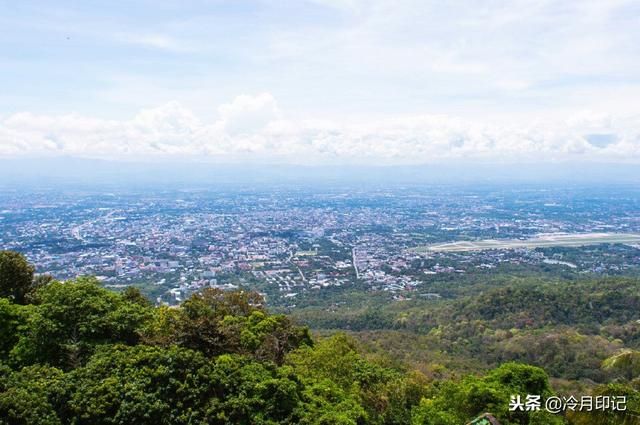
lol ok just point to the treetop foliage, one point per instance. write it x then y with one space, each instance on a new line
16 276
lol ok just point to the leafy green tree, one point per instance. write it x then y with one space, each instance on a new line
12 317
336 359
450 402
133 295
16 276
522 378
31 396
250 392
161 328
325 403
73 317
198 324
154 385
267 337
215 322
141 385
338 377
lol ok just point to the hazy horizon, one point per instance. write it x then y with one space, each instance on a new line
76 172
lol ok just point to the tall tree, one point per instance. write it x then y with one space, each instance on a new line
70 319
16 276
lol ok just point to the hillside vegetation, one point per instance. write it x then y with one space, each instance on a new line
75 353
567 327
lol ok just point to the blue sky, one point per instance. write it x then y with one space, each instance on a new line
350 81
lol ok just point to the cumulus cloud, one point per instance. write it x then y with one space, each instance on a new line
249 114
254 128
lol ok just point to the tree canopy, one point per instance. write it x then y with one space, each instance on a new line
16 276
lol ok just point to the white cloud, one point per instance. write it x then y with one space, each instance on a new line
254 128
169 120
249 114
155 41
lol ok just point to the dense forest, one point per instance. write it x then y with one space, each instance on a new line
567 327
75 353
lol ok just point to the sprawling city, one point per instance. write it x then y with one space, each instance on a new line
295 241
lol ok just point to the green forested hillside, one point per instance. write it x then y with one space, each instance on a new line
567 327
75 353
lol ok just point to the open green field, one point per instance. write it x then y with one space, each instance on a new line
543 241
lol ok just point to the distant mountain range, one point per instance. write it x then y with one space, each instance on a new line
91 172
